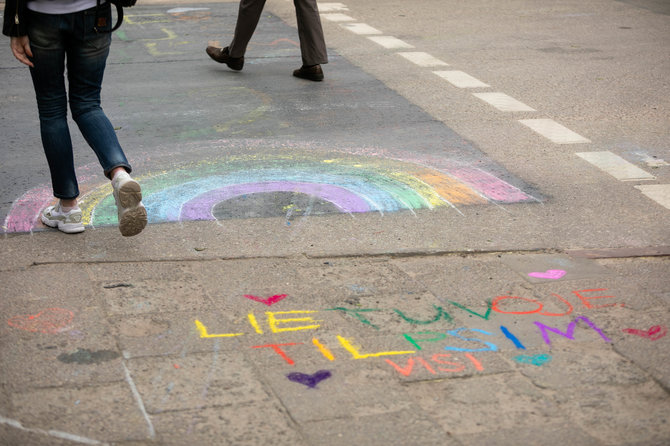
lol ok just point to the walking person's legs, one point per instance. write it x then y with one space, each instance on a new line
310 33
48 49
87 53
86 61
247 19
248 15
312 41
55 39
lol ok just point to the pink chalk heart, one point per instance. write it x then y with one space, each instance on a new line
309 380
654 333
51 320
548 274
267 301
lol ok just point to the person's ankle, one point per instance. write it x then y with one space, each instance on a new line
117 171
67 205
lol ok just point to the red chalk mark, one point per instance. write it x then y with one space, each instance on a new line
407 370
426 365
569 310
494 305
436 358
475 362
457 366
279 351
585 299
654 333
268 301
51 320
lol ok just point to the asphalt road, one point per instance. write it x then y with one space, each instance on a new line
592 76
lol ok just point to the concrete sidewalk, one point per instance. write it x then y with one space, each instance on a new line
524 314
456 348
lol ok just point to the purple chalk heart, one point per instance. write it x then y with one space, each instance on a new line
549 274
309 380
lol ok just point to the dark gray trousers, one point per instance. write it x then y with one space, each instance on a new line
310 32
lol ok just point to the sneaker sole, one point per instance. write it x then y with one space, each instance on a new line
130 194
310 78
133 214
70 228
133 220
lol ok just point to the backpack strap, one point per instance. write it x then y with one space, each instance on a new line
119 16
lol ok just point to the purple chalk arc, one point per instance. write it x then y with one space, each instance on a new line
200 207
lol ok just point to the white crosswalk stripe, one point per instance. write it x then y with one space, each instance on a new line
554 131
390 42
422 59
503 102
616 166
360 28
460 79
660 193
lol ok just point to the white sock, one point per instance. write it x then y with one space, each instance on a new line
119 172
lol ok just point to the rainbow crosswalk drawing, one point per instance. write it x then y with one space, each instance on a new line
352 182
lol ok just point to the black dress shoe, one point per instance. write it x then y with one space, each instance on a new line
222 55
312 73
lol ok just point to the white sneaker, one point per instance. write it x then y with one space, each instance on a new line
128 197
68 222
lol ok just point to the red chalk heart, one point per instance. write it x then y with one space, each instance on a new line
654 333
51 320
269 301
548 274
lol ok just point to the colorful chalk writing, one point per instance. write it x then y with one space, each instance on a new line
570 332
484 316
455 364
356 312
462 343
49 321
356 354
490 347
654 333
309 380
586 299
440 314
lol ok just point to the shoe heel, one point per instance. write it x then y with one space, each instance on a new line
130 194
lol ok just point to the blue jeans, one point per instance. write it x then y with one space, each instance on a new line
55 39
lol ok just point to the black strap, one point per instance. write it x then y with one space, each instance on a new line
119 16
